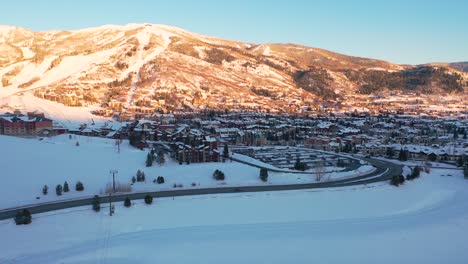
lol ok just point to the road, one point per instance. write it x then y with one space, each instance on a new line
385 170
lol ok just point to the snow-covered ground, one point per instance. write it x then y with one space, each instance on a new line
29 164
423 221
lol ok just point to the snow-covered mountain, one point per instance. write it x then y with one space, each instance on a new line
144 67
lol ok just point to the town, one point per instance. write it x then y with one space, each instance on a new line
197 137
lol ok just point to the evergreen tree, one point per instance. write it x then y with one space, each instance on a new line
225 152
127 202
264 174
465 171
138 176
460 161
401 179
160 180
79 186
133 179
464 135
397 180
390 152
394 181
403 155
300 165
143 176
96 203
45 189
23 217
149 160
414 174
160 158
65 187
148 199
455 133
218 175
58 189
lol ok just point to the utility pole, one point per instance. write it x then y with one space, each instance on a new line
111 209
113 178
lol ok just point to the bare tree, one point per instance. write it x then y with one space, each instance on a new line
319 171
427 166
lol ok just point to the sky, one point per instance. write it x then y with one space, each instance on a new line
399 31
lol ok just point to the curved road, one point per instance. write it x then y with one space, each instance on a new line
385 170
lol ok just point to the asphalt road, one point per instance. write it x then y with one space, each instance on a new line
387 169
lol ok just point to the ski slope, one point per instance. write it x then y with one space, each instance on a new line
423 221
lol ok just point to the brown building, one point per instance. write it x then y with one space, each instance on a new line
24 125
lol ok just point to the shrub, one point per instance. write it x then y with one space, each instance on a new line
23 217
127 202
58 190
96 203
218 175
148 199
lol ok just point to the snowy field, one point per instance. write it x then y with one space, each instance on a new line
423 221
29 164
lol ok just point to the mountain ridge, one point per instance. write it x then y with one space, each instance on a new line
137 66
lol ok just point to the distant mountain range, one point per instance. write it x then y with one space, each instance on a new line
136 66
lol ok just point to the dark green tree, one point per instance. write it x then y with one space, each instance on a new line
414 174
148 199
397 180
225 152
127 202
96 203
65 187
300 165
160 180
45 189
58 189
149 160
79 186
403 155
218 175
390 152
23 217
133 179
139 176
264 174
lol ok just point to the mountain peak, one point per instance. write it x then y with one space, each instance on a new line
145 67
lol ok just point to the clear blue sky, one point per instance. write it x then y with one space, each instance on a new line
400 31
